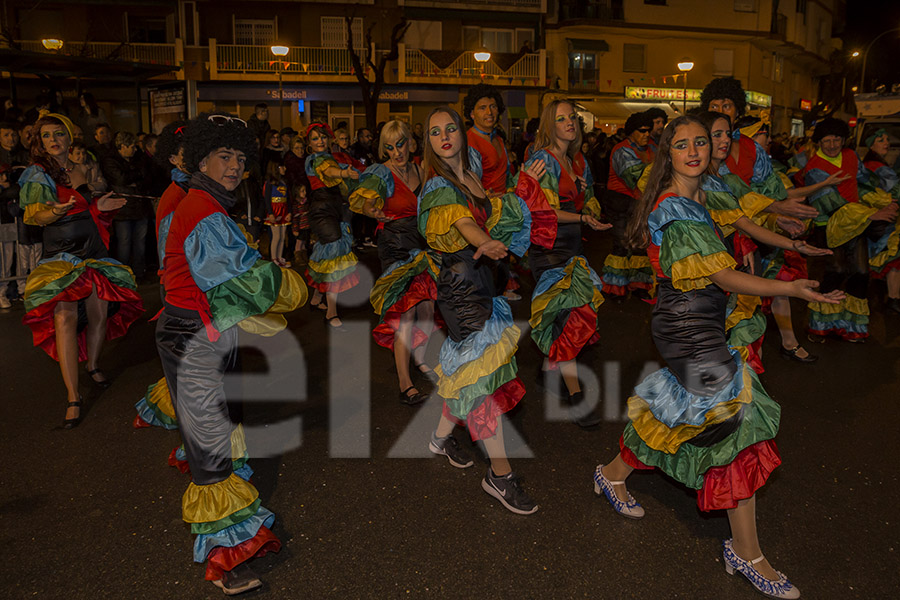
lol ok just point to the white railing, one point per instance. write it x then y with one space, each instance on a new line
259 59
158 54
465 65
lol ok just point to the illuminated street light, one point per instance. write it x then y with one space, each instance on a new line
855 54
280 52
685 66
52 44
855 88
482 55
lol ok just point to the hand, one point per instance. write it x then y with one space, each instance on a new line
492 249
536 169
109 202
836 178
888 213
60 210
750 262
378 215
352 174
795 207
806 290
791 226
580 183
595 224
804 248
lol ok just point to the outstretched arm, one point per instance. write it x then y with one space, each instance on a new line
770 238
742 283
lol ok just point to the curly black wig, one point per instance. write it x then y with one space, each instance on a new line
482 90
210 131
636 121
170 140
655 113
724 87
830 126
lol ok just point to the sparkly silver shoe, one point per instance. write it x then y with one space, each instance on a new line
777 588
602 485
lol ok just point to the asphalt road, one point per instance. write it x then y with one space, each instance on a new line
364 512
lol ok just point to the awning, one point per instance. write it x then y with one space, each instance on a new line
583 45
61 65
617 111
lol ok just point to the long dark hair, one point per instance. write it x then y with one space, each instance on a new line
90 104
39 155
435 166
709 118
637 234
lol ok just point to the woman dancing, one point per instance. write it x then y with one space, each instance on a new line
213 281
404 295
332 265
568 293
473 234
705 420
77 296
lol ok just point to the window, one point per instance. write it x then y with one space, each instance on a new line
150 30
425 35
655 2
801 8
583 72
498 40
334 32
255 32
635 60
723 62
525 35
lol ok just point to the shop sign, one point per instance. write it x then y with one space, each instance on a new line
759 99
805 104
661 94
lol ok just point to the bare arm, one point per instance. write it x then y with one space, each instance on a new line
770 238
742 283
475 236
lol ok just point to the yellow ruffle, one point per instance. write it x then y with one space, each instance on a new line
49 272
893 246
642 181
786 181
332 265
496 212
320 172
31 210
238 442
753 203
440 232
292 294
209 503
160 398
494 357
858 306
877 199
265 325
664 439
592 208
552 197
253 243
379 290
693 271
847 222
539 304
361 195
725 218
745 309
614 261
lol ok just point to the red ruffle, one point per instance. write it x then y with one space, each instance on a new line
614 290
223 559
482 421
754 358
881 273
639 285
422 288
743 246
841 333
336 287
139 423
630 459
724 486
103 220
181 465
794 267
43 328
579 331
544 225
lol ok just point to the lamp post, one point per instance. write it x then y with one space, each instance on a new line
685 66
280 52
54 44
862 79
482 55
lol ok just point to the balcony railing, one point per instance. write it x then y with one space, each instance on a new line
604 10
156 54
584 79
299 60
501 5
528 67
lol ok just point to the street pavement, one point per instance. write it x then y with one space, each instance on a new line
363 510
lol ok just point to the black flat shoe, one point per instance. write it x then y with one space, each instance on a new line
329 322
238 580
427 372
414 399
792 355
73 422
317 306
105 383
584 417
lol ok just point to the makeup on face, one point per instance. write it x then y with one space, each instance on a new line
443 134
566 122
690 150
721 139
55 140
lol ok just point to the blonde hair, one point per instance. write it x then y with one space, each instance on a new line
390 134
546 134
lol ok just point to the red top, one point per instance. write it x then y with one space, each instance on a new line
494 166
847 189
746 161
568 190
168 202
403 203
101 219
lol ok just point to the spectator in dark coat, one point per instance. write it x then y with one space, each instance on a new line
258 123
125 177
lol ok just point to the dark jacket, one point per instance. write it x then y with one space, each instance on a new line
125 176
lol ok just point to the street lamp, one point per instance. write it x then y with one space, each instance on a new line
52 44
280 52
482 55
685 66
855 54
862 79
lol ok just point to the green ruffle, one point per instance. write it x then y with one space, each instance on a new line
117 274
684 238
439 196
826 203
771 187
580 292
251 293
689 463
512 218
460 407
747 331
225 522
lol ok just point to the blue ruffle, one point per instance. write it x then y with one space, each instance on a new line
71 258
521 239
673 405
475 162
232 536
245 472
711 183
551 277
676 208
216 251
848 326
615 279
413 254
878 246
162 235
147 414
456 354
337 248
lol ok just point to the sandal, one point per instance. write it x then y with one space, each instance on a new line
791 354
105 383
73 422
414 399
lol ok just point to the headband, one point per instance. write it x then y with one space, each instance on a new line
878 133
322 126
67 123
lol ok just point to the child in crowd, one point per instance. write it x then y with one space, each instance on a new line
278 216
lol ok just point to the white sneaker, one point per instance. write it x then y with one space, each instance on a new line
4 302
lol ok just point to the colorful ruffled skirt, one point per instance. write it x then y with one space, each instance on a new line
721 445
627 272
564 310
745 325
884 250
67 278
848 320
155 408
400 288
332 265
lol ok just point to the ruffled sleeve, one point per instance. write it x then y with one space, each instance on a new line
723 207
847 222
440 206
316 166
375 184
544 223
752 203
510 222
689 249
628 166
827 200
591 204
765 180
37 193
549 181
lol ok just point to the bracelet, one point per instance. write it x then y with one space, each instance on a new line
53 210
581 219
794 245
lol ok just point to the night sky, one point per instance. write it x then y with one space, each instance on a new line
865 20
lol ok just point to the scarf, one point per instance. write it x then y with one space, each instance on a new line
204 183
